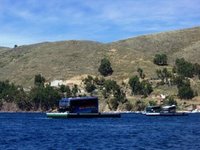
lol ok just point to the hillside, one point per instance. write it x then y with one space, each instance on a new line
139 51
3 49
66 59
57 60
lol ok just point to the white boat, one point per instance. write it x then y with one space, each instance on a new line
163 111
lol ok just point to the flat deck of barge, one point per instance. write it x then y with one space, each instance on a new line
83 115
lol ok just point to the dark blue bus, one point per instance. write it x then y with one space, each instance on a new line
79 105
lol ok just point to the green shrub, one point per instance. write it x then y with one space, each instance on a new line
152 103
184 68
139 105
128 106
185 92
170 101
160 59
89 84
137 87
39 80
113 104
105 68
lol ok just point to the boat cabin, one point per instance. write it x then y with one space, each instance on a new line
169 109
159 109
153 109
79 105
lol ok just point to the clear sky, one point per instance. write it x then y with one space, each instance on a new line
33 21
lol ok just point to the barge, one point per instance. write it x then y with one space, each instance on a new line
80 107
82 115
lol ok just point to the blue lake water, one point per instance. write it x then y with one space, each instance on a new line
33 131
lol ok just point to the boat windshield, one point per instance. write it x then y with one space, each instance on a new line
169 109
153 109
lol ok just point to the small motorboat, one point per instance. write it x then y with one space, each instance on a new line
163 111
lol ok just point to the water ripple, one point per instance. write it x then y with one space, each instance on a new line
132 131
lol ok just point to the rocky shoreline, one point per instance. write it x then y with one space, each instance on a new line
13 108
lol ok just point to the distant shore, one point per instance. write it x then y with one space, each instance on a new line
122 112
12 108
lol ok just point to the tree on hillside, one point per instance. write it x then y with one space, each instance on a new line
44 97
197 69
146 88
105 67
185 92
184 68
140 88
135 85
179 80
8 91
22 100
164 75
75 90
65 90
110 85
52 97
14 94
141 73
39 80
113 93
184 88
90 87
160 59
37 96
89 84
99 81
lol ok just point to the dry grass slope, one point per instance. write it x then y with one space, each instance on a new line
66 59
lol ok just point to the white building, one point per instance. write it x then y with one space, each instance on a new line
57 83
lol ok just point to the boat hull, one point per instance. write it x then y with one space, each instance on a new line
166 114
83 115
